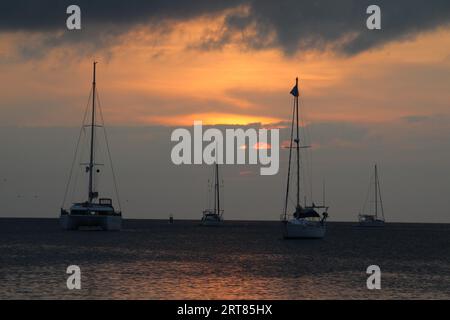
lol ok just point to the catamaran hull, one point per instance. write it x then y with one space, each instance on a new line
298 231
75 222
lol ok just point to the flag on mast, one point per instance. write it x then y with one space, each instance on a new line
294 90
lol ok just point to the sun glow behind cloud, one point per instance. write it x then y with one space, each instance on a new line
155 77
211 119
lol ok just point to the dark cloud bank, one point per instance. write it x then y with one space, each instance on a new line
291 25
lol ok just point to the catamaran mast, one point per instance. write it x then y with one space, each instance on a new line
91 158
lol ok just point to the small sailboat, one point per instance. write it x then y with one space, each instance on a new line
373 220
306 222
94 212
214 217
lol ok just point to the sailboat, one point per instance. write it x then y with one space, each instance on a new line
214 217
94 212
306 222
374 219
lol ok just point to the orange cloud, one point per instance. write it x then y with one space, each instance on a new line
209 119
150 80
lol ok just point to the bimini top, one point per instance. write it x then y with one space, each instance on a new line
103 205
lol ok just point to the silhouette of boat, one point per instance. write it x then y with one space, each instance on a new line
306 221
214 217
92 213
373 220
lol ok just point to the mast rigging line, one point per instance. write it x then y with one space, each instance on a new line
76 149
290 161
369 189
378 194
82 151
381 199
307 168
116 189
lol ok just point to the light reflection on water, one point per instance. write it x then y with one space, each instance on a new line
240 261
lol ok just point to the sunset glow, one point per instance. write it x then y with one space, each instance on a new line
149 78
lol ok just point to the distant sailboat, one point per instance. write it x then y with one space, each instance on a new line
214 217
374 219
92 213
305 222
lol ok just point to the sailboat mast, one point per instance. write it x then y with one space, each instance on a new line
289 165
297 140
379 194
91 158
376 191
217 188
295 115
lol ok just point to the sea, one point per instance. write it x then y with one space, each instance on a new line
152 259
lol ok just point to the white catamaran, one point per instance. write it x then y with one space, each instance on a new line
306 221
214 217
94 212
373 220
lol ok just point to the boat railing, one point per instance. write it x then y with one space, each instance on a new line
292 216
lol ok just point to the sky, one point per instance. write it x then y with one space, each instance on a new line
367 96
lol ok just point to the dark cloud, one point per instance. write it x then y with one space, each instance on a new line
49 15
102 21
291 25
295 25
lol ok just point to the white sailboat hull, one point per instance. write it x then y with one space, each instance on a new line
75 222
211 218
303 229
214 221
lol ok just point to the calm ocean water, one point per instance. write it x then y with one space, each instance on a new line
242 260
